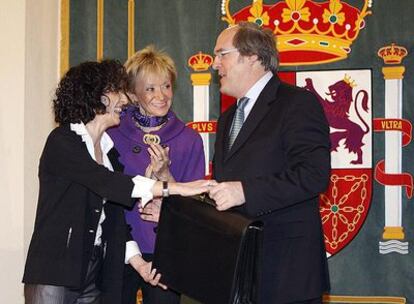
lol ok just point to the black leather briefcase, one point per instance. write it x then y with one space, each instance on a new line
211 256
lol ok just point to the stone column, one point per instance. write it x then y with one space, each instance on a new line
393 75
201 99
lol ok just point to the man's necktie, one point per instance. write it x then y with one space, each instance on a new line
238 121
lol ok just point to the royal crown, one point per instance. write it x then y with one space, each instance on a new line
348 80
392 54
308 32
200 62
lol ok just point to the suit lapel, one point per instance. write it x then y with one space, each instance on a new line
257 114
113 156
222 138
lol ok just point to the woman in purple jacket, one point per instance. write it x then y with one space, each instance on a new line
175 154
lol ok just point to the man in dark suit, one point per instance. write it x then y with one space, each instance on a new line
272 159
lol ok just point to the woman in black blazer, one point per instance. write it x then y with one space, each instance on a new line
80 240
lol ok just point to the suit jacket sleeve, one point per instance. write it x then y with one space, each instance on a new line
306 146
65 156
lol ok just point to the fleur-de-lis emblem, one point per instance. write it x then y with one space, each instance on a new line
296 11
257 17
334 14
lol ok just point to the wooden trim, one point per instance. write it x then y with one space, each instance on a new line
131 28
64 36
99 29
363 299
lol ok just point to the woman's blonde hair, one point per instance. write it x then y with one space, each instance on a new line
147 61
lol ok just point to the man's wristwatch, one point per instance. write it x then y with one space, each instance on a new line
165 190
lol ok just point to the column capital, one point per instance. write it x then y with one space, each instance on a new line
199 79
394 72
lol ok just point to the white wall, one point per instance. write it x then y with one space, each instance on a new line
28 75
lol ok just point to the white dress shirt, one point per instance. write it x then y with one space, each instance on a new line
142 185
254 92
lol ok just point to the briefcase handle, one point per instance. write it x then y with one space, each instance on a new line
204 198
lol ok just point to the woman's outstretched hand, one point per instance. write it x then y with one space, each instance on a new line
190 188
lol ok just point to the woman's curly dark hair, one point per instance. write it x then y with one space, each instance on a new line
78 96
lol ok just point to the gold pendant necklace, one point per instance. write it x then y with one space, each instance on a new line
149 138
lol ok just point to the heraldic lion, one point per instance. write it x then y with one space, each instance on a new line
337 113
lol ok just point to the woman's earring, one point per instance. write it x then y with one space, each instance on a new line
105 100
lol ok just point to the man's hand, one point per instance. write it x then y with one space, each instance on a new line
227 194
144 270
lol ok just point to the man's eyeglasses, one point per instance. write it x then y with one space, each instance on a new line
221 54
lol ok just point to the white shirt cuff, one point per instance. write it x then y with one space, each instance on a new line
142 189
131 249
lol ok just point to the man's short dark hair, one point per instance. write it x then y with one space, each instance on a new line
251 39
78 96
